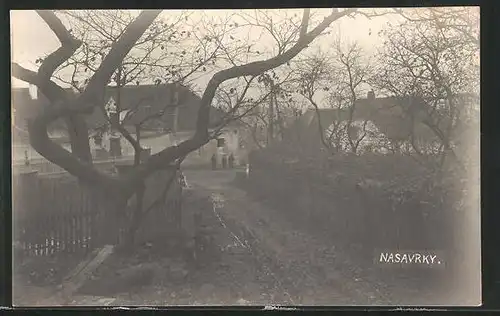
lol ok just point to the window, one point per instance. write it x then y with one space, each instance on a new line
220 142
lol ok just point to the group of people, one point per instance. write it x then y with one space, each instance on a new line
226 161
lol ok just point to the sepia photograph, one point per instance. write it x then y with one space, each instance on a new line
246 157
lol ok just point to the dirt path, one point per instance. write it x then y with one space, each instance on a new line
309 271
309 266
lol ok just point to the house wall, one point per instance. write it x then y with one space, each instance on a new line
232 141
232 145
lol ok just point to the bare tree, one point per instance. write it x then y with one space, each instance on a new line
168 52
432 69
339 76
354 70
312 74
119 188
240 107
283 30
461 21
272 108
289 110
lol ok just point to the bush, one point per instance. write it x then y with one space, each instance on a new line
401 212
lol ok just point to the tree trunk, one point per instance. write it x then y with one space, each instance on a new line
138 153
79 137
270 136
135 221
115 120
279 118
111 212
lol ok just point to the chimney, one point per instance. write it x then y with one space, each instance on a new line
371 95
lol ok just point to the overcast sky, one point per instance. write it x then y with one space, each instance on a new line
31 38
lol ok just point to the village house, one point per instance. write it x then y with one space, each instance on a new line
171 109
392 118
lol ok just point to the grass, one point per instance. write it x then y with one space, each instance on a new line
398 284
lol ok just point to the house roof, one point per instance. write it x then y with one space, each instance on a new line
144 100
152 100
389 114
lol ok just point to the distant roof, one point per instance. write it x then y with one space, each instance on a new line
387 113
148 100
145 100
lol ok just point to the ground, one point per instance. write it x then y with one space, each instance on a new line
312 270
256 255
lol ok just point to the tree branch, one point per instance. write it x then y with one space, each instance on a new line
69 45
258 67
201 137
320 126
119 50
77 128
305 23
91 97
53 152
49 89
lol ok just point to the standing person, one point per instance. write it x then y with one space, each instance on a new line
231 161
224 162
214 162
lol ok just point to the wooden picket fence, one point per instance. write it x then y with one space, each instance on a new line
53 213
55 217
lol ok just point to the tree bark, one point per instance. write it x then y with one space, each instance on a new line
271 116
138 149
78 133
136 219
